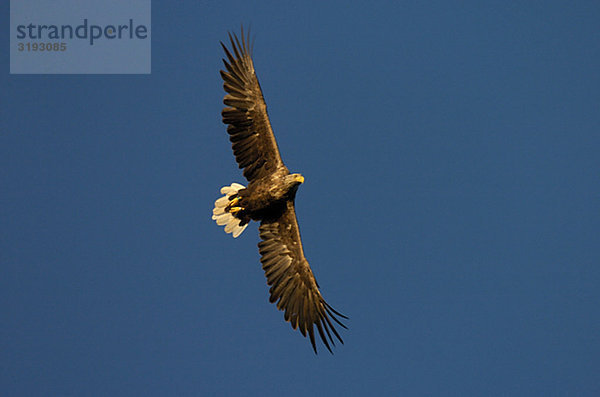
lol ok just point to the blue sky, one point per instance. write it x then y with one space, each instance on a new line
451 206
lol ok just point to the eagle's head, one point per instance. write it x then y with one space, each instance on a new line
297 179
291 183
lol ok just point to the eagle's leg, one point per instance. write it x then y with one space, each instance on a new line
233 206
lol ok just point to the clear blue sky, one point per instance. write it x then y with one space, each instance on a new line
451 207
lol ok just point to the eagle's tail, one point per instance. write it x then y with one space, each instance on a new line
225 208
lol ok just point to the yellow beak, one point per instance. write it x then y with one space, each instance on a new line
299 178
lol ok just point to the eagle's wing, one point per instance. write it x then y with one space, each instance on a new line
249 129
293 285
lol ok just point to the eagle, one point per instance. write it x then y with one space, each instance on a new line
268 199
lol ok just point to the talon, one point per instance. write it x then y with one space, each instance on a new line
234 201
234 210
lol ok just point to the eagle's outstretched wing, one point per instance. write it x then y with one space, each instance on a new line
249 129
293 285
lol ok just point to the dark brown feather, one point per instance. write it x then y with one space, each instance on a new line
250 131
293 285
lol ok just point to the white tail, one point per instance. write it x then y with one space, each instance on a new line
222 216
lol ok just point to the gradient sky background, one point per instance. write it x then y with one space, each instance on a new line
451 207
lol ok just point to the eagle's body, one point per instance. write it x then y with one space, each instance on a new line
266 197
269 199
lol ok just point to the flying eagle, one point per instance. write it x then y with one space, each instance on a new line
269 198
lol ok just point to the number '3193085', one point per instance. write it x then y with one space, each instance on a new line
42 46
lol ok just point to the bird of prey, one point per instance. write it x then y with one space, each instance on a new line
269 199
